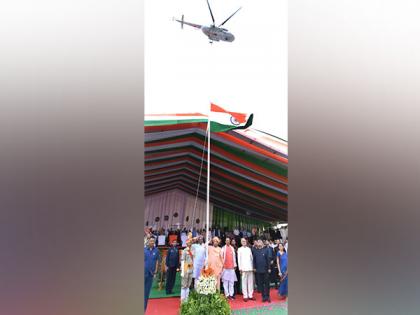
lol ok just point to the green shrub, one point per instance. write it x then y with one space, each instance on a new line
200 304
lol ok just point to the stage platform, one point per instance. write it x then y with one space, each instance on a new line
156 293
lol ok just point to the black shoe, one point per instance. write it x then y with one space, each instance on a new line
233 297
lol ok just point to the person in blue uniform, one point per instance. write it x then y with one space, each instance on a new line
151 260
172 266
282 265
262 268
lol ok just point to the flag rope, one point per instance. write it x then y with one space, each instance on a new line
199 179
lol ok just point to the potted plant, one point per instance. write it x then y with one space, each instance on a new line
206 300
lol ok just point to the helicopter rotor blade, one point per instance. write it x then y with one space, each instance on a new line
211 13
230 16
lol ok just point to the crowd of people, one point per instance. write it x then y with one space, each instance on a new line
164 236
259 261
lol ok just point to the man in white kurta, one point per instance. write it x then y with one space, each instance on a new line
199 258
184 238
245 265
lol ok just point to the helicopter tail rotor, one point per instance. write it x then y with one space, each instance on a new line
182 22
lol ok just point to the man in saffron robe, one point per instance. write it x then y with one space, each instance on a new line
215 260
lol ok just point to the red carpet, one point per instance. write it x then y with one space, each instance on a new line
170 306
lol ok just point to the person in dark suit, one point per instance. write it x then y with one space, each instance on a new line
262 264
222 234
172 266
253 249
178 236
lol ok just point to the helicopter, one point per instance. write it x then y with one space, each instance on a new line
213 32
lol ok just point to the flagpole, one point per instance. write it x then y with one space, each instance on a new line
208 186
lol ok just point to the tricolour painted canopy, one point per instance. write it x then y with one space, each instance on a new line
248 172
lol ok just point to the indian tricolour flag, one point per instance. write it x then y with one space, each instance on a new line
220 119
223 120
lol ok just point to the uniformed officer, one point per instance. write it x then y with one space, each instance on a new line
172 266
151 260
187 267
262 261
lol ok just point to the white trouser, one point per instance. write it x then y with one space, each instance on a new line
184 293
247 284
229 288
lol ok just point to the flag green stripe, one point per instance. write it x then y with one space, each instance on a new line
216 127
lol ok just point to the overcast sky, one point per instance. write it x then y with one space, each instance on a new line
184 73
